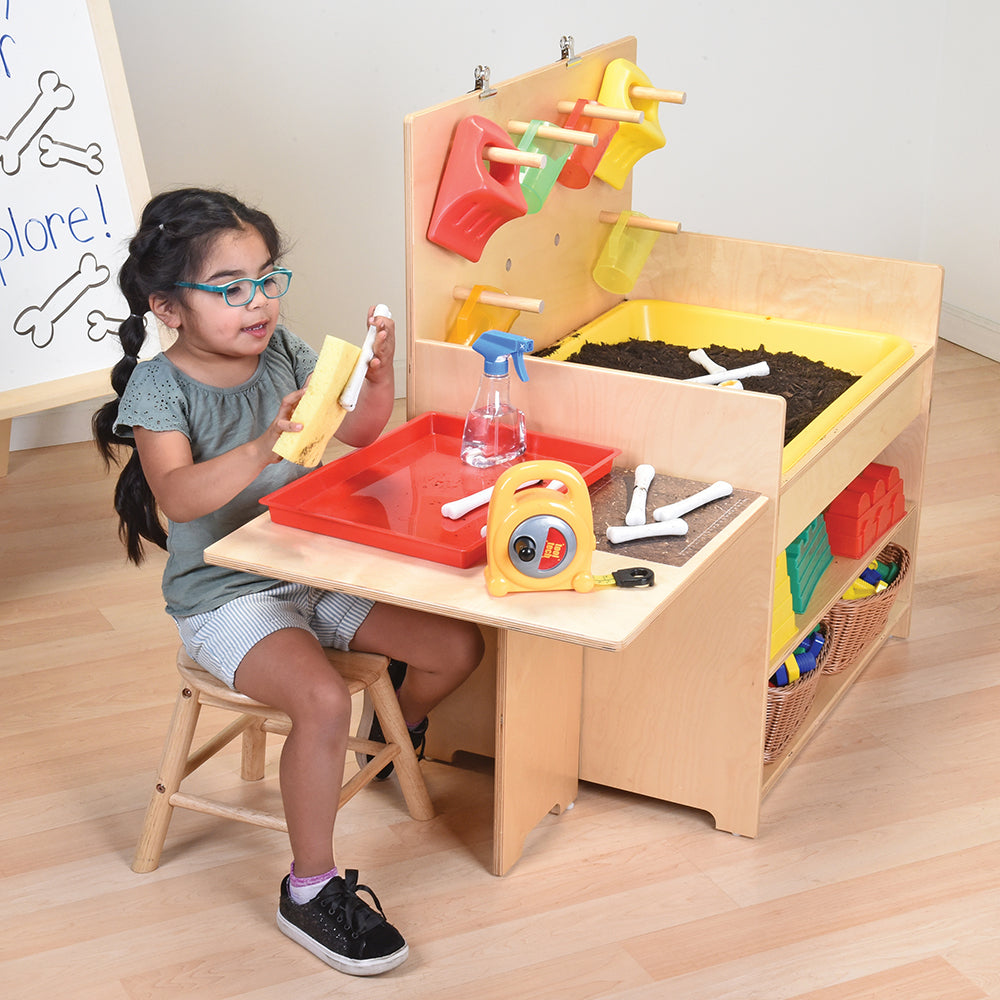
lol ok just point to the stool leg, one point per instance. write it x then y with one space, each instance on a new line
253 754
394 729
172 765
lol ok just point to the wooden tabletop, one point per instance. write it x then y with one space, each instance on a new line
606 618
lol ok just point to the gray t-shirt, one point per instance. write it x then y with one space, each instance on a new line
160 397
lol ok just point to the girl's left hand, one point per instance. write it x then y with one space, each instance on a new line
384 348
378 391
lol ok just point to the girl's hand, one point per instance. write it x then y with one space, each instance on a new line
365 422
380 366
282 422
186 490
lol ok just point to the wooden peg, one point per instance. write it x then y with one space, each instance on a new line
517 157
631 115
572 135
655 94
501 299
640 222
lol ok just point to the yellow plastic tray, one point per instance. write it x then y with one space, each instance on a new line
872 356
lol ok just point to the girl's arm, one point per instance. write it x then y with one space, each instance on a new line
186 490
378 392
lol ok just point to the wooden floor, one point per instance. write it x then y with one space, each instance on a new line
876 873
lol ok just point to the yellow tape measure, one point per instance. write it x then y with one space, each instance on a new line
539 538
634 576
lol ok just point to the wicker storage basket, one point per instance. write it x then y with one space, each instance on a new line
787 706
854 624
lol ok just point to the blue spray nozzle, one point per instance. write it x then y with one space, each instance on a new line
496 347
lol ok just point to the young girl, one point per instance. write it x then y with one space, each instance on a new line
201 419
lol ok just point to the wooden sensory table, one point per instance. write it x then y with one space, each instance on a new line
679 713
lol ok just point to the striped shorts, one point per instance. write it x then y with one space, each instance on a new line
218 640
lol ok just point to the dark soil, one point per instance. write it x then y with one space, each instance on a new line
809 387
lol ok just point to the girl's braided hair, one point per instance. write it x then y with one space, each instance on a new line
175 235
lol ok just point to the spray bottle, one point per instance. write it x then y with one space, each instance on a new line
494 430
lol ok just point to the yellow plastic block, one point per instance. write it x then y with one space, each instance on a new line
783 625
318 410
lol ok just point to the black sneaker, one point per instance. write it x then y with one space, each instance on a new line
339 927
370 729
418 737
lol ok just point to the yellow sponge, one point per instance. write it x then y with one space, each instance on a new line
318 410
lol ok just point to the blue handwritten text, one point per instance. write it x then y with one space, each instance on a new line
26 238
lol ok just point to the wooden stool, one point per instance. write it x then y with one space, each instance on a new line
361 671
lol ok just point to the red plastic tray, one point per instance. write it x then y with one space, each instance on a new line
389 495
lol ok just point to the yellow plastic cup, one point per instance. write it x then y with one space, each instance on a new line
476 317
623 255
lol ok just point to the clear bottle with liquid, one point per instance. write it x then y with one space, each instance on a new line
494 430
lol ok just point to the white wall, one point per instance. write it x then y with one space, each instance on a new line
865 126
962 206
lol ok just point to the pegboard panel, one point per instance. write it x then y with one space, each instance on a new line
548 255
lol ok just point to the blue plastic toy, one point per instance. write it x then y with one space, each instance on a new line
801 662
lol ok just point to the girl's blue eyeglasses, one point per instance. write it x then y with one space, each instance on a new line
242 291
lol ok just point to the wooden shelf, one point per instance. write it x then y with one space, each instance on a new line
838 576
832 687
830 691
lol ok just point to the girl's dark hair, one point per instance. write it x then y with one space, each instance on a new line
175 235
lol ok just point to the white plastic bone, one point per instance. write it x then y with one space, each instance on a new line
455 509
637 508
716 491
349 397
627 533
701 358
714 378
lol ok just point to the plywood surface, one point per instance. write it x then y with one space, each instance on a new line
817 286
606 618
680 429
541 255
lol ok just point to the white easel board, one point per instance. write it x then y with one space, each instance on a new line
72 182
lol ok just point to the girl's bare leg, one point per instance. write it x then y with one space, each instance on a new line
440 653
289 670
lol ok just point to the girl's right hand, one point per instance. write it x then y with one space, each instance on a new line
282 423
186 490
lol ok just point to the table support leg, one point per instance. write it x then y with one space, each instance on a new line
539 691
